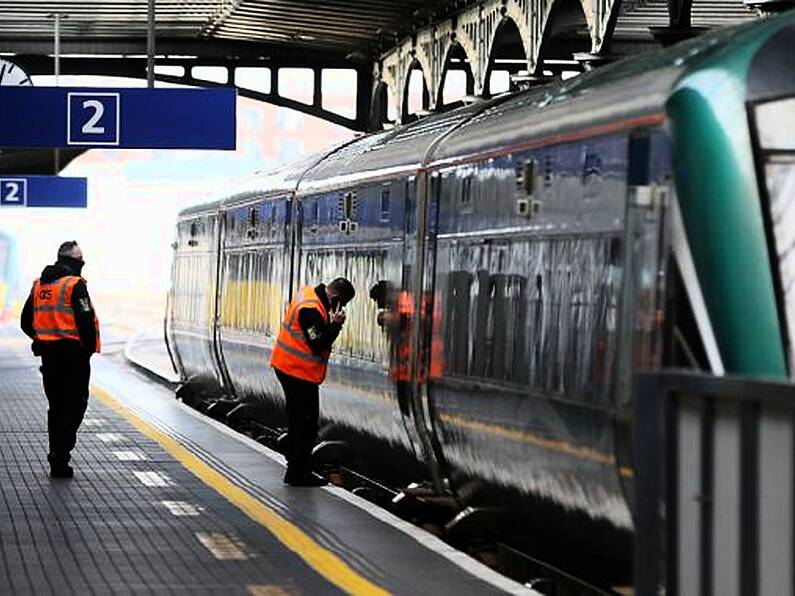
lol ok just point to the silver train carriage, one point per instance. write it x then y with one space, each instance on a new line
551 243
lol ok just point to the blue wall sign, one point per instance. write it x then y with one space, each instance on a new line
123 118
43 191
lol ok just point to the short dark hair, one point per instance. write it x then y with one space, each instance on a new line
66 248
380 292
343 288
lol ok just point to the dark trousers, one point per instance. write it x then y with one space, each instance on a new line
303 410
65 374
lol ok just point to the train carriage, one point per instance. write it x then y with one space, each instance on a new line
538 250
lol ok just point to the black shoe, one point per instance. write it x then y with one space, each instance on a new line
59 466
305 479
64 471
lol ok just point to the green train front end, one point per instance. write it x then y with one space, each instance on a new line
732 125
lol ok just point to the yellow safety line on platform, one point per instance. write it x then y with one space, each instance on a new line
321 560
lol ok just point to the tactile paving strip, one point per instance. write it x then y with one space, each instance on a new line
109 532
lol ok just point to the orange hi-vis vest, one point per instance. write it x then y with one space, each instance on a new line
53 317
292 354
399 371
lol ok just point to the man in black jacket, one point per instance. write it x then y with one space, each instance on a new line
59 317
320 320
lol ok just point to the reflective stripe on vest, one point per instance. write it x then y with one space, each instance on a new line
292 354
53 316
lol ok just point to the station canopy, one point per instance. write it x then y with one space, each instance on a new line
359 30
344 25
338 25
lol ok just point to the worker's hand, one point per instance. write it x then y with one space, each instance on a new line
337 315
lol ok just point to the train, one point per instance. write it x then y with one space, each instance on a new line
552 243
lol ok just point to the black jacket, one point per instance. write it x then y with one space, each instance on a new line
81 305
319 335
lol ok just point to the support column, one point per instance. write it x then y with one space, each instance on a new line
150 45
679 27
56 155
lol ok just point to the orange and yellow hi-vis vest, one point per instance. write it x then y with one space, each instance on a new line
53 317
292 354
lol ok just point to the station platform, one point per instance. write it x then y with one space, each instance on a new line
166 501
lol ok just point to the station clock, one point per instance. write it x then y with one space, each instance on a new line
11 74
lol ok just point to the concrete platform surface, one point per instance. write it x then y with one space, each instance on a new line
165 501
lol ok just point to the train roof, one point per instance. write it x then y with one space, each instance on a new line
628 90
385 153
280 181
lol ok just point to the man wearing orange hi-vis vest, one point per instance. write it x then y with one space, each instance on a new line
59 317
300 358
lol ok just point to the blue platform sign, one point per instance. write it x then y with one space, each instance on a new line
122 118
42 191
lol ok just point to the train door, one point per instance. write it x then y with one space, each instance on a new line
421 207
646 242
293 230
220 276
640 342
168 319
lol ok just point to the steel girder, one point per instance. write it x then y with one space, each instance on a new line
135 67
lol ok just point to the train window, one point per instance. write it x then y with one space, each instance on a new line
196 229
481 346
525 177
547 170
385 203
533 313
347 205
591 167
253 222
457 330
682 346
230 220
313 216
775 123
272 223
614 252
466 192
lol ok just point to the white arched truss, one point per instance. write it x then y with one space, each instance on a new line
439 92
476 29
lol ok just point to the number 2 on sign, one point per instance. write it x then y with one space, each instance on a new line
12 196
90 127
